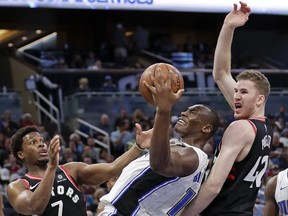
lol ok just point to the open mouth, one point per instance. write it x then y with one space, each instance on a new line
181 122
237 106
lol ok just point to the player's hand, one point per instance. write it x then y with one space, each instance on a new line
143 138
53 151
163 95
238 17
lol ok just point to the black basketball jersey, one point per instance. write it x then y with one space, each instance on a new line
238 194
66 197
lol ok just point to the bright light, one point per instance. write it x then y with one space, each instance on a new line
41 40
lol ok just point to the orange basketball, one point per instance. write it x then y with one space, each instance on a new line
176 84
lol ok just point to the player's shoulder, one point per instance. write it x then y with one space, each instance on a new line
271 185
19 184
241 125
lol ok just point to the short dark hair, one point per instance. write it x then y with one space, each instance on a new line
17 139
212 117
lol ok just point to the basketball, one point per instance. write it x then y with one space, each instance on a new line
176 83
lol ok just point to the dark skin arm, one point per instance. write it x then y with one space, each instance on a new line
96 174
271 207
166 160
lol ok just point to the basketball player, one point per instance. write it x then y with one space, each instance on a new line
276 195
164 180
52 189
242 156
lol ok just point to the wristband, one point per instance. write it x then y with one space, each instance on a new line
138 147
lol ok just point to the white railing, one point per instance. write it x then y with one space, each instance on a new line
94 128
52 107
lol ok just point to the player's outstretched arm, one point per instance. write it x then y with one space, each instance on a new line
222 58
96 174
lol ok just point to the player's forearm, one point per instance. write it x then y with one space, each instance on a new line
222 57
42 194
125 159
159 146
202 200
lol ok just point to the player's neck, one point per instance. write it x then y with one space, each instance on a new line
36 170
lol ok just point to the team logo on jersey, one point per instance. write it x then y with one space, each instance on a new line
266 141
61 178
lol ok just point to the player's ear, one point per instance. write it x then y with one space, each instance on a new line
20 155
207 128
261 99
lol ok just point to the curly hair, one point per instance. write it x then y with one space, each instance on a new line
17 140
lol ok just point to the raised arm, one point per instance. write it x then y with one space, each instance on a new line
27 202
271 207
164 159
222 59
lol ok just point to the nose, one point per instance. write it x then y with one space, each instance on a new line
41 143
236 95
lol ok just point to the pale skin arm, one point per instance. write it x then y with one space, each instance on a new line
96 174
232 149
166 160
27 202
222 58
271 207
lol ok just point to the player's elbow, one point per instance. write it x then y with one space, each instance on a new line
157 167
214 188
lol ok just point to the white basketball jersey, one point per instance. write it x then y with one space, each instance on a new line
281 192
140 191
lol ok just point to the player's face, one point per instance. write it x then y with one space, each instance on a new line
35 149
188 121
246 97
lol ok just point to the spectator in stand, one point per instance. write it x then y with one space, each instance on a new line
284 137
123 114
83 85
99 192
92 63
283 159
7 125
105 125
27 120
120 137
141 39
120 45
77 61
276 149
79 143
61 63
188 45
94 152
108 85
282 114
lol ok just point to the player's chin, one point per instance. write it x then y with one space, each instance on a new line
43 160
177 128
